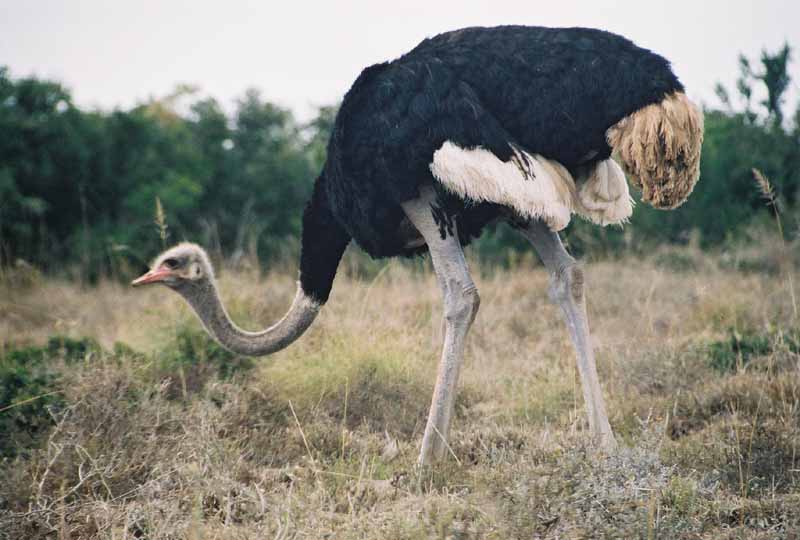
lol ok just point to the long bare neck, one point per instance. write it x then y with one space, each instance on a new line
208 306
323 243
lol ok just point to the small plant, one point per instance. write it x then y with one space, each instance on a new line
677 261
768 192
29 388
741 347
161 223
681 495
195 357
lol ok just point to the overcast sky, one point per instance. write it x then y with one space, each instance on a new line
301 54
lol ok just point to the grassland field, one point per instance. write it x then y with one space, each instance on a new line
120 419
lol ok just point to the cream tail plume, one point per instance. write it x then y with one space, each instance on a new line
659 147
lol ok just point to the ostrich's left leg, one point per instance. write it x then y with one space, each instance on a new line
460 307
566 289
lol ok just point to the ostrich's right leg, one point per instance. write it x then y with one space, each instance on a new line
566 289
460 307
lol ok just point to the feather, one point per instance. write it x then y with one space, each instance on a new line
544 190
659 146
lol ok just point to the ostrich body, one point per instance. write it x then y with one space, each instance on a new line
472 126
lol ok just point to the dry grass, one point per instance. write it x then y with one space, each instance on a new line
320 440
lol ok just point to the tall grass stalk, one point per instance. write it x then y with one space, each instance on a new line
161 223
768 192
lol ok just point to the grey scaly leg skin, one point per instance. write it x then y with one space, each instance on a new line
566 289
460 307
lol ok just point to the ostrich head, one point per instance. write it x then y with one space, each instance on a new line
182 268
187 270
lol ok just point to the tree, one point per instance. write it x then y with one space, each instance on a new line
776 78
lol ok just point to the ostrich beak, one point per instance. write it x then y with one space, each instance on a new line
153 276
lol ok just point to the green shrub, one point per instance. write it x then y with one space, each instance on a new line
29 378
676 261
193 346
739 348
193 358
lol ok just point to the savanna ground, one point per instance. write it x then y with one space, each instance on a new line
143 428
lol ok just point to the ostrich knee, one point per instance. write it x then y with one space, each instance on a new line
567 284
461 305
567 290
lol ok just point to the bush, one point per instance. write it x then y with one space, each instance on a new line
194 358
728 354
29 389
31 378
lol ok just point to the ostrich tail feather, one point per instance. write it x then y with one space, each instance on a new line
659 147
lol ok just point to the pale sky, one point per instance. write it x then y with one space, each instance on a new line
301 54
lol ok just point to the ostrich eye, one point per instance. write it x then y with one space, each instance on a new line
172 264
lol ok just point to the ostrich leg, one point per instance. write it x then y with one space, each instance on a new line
566 289
460 307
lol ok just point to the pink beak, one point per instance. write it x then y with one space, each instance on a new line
153 276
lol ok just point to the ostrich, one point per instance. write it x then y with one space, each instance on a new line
473 126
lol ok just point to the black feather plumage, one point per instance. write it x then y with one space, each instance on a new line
550 91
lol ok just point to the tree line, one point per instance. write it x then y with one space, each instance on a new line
80 189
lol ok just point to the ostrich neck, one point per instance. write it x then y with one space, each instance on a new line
323 243
215 318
